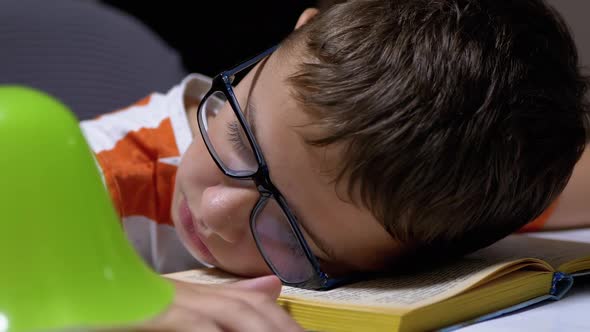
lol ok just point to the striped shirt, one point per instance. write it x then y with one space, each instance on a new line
138 149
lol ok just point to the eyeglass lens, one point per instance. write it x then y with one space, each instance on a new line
229 144
226 136
279 243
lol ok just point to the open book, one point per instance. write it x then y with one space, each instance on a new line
517 271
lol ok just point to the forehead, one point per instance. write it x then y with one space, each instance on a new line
305 174
284 127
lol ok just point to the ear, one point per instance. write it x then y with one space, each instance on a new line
307 14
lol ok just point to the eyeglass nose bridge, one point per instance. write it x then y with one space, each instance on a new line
262 180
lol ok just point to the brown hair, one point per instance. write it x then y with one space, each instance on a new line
462 119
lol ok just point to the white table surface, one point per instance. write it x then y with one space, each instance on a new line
571 313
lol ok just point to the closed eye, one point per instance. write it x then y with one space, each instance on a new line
237 138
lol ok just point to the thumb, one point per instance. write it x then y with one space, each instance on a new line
269 285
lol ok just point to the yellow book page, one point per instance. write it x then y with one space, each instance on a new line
387 294
564 256
204 276
498 294
404 292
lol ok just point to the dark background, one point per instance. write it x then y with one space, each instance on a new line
218 34
215 35
97 56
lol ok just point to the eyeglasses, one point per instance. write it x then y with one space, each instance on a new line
234 149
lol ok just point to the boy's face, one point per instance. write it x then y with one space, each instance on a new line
211 211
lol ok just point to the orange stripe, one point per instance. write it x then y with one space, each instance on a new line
138 183
143 101
539 223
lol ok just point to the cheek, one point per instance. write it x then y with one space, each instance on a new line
197 170
243 259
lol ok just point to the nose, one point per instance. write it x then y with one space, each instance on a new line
226 210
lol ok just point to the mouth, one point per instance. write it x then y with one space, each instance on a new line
196 240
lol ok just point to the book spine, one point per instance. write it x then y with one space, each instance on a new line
581 273
561 284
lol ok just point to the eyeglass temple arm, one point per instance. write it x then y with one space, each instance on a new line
250 62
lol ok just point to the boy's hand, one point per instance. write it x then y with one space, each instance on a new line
247 305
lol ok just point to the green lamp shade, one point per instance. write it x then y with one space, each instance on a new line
65 261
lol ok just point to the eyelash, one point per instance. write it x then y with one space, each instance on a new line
234 136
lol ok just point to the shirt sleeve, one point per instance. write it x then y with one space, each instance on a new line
138 149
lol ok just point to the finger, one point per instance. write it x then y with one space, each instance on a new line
192 295
198 324
178 318
269 285
231 313
237 314
244 290
276 314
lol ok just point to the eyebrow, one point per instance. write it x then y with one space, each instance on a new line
250 111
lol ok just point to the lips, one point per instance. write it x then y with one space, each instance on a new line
197 244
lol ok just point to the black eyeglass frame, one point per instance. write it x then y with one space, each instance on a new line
261 177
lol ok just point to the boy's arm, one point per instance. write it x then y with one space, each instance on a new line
573 207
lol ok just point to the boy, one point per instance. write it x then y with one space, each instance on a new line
378 130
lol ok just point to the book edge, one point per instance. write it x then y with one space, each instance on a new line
560 285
